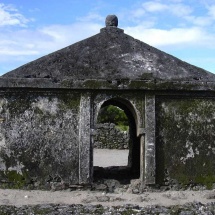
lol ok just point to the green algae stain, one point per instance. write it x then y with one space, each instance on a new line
71 102
185 137
14 180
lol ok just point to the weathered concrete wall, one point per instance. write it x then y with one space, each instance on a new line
185 141
108 136
39 138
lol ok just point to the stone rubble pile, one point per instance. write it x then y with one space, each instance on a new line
56 209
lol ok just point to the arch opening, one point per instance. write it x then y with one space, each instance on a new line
117 160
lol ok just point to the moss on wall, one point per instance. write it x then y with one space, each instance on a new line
14 179
39 141
186 140
70 101
17 104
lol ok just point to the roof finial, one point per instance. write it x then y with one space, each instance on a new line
111 20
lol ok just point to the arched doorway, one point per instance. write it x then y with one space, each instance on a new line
131 168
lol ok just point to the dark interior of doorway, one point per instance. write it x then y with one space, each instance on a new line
132 170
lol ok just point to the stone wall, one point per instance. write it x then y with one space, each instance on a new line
45 138
39 138
110 137
185 141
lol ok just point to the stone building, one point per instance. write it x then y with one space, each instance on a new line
49 108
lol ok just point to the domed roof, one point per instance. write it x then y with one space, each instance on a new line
110 54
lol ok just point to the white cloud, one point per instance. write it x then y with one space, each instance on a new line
180 13
12 48
175 36
199 20
154 11
9 15
176 1
180 10
62 35
177 9
12 52
138 13
211 11
91 17
153 6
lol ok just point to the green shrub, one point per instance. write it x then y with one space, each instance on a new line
113 114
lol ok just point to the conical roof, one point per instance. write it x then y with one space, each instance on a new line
110 54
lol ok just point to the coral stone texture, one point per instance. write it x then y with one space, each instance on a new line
49 109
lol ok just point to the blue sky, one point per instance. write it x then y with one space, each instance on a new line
31 29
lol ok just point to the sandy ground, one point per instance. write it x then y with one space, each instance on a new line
110 157
168 198
102 158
